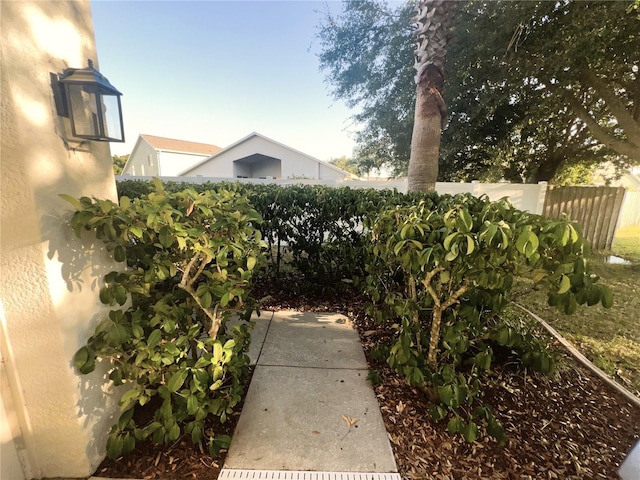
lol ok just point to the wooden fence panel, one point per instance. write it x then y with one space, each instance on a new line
596 209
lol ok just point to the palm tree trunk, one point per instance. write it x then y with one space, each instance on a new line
425 139
432 35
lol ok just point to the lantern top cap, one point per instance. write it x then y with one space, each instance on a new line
88 75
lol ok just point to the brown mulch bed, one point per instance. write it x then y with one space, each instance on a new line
567 426
181 460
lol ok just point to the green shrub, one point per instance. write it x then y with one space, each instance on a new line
438 269
321 227
441 272
190 260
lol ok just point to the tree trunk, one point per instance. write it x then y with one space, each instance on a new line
432 20
425 139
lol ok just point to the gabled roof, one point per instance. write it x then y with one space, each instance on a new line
162 143
256 134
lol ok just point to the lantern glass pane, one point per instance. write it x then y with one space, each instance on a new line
111 109
84 111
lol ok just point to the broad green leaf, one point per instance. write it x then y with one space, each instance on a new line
502 336
115 444
120 294
446 394
137 231
165 237
448 240
451 256
570 305
467 220
177 380
470 245
196 434
105 295
565 285
119 254
566 233
206 299
84 360
574 234
217 353
471 432
398 247
455 425
128 444
157 183
533 241
117 335
154 338
607 296
224 300
127 398
73 201
174 432
192 404
251 262
202 289
521 242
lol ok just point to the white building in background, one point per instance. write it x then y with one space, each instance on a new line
256 156
165 157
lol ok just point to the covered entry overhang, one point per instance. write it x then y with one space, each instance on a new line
257 166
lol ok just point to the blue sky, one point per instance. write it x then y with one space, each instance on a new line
215 71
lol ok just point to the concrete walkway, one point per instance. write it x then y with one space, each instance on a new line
309 412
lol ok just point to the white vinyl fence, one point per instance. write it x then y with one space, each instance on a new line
630 213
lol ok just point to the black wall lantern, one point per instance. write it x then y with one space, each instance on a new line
90 102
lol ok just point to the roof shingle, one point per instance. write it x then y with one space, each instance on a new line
162 143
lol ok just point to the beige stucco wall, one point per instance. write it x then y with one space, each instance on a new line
50 280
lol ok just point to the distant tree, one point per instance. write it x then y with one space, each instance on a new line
367 54
531 86
346 164
539 85
119 162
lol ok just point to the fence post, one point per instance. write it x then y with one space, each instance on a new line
475 188
542 194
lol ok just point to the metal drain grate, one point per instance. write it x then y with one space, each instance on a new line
229 474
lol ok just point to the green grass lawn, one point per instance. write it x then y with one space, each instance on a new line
610 338
626 244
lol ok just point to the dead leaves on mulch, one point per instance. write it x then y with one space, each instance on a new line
178 461
568 426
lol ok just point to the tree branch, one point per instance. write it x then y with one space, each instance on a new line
456 295
203 265
427 284
616 107
185 273
215 320
621 147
